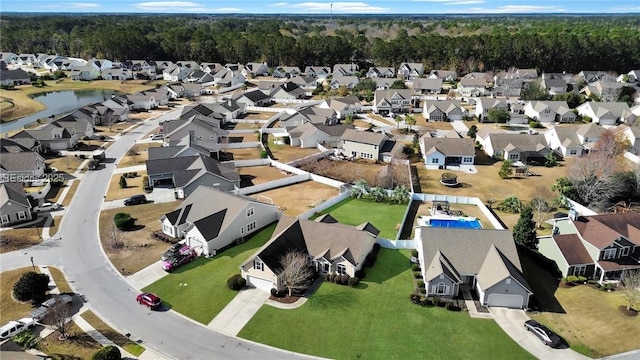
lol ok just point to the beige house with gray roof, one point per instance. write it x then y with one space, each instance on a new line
448 153
369 145
331 247
482 260
514 147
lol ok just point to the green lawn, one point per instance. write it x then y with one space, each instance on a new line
377 321
384 216
199 289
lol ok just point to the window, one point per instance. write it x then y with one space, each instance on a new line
4 219
241 230
609 254
257 264
508 281
57 136
441 289
342 269
514 156
249 212
579 270
23 215
625 250
435 161
573 152
326 267
251 226
467 160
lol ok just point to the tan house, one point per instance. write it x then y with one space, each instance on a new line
14 205
369 145
330 246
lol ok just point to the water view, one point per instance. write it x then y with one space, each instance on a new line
58 102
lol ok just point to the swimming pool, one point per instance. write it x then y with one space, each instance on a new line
453 222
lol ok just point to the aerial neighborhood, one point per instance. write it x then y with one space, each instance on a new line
401 199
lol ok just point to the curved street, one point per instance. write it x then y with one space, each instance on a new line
76 250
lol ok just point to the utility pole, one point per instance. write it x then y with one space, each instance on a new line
33 264
331 16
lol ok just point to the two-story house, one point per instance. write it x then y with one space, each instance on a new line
396 101
369 145
443 110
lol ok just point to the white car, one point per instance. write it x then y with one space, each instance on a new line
16 327
156 136
46 207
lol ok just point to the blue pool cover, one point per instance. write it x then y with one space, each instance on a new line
455 223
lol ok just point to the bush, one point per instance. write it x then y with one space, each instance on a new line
582 279
82 156
344 279
122 182
331 277
353 282
452 306
124 221
414 253
571 279
369 260
426 301
31 286
236 282
415 298
26 340
103 138
415 267
360 274
278 293
263 154
440 302
420 284
108 352
417 274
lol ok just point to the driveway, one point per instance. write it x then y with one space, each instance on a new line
239 311
158 195
512 322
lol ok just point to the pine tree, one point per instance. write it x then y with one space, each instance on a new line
524 233
123 182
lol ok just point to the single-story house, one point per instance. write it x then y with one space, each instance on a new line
514 147
483 105
309 135
51 137
331 247
444 75
210 220
14 205
253 98
471 87
447 153
369 145
381 72
484 260
606 113
427 86
344 106
549 111
348 82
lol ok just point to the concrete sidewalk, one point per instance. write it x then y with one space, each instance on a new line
147 276
239 311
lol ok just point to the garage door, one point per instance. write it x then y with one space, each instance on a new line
503 300
259 283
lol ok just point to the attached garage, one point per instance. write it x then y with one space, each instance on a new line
259 283
505 300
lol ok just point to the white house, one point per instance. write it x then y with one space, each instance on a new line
606 113
549 111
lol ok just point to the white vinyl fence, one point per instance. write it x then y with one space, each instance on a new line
452 199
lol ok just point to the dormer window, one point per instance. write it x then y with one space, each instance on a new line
625 251
609 254
249 212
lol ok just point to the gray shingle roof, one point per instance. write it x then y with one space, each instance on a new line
449 146
497 267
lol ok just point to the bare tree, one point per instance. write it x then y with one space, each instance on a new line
612 144
631 288
58 316
295 273
593 177
541 209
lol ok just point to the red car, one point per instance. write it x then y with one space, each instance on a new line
150 300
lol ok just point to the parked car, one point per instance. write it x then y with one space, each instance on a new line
547 336
185 255
135 200
94 164
101 156
41 312
16 327
46 207
156 137
173 250
150 300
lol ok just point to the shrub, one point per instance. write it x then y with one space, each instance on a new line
337 279
369 260
26 340
415 298
427 301
376 248
124 221
31 286
441 303
344 279
417 275
360 274
420 284
571 279
415 267
103 138
331 277
582 279
122 182
82 156
108 352
353 282
278 293
263 154
414 253
236 282
452 306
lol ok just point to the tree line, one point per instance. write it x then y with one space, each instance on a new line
465 44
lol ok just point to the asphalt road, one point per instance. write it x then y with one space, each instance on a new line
76 249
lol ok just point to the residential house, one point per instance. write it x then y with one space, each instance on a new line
486 76
396 101
163 94
117 74
211 68
331 248
204 131
101 64
186 173
554 85
312 114
482 260
209 220
253 98
444 75
228 78
605 247
345 69
142 65
200 77
630 77
188 64
549 111
591 76
319 72
410 71
141 102
632 134
514 147
383 83
427 86
381 72
80 126
8 57
307 83
471 87
348 82
253 69
85 73
508 85
448 153
527 75
603 90
565 140
369 145
286 72
50 136
310 135
606 113
443 110
19 161
117 110
13 77
26 60
14 206
344 106
176 73
483 105
287 91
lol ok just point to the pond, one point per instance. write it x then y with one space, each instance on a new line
59 102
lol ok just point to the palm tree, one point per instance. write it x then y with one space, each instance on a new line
400 194
398 120
378 194
511 205
359 189
410 120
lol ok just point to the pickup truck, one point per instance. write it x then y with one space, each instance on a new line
41 312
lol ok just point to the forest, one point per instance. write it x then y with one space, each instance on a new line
462 43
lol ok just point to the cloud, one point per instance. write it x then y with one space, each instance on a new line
81 5
279 4
511 9
453 2
339 7
181 6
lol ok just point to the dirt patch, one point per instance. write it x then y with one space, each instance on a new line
298 198
240 154
138 154
628 312
131 251
346 171
258 116
21 238
254 175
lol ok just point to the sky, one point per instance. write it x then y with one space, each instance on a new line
416 7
